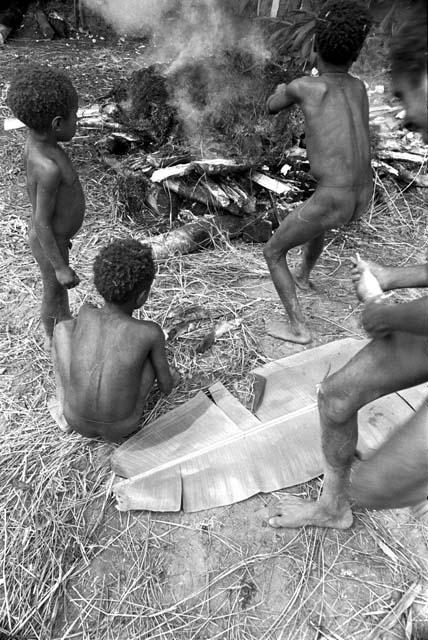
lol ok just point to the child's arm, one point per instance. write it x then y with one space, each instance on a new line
283 97
165 379
47 187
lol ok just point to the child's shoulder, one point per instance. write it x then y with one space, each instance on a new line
148 329
42 164
306 85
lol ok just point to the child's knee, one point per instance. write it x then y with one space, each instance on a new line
272 252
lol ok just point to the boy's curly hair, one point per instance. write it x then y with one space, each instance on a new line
408 48
122 269
341 28
38 94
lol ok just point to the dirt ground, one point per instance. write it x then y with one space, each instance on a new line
73 567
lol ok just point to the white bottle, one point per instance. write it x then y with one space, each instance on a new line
368 285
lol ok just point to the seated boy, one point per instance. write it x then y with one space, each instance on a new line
335 108
105 360
46 101
397 358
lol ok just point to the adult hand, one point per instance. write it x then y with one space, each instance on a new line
380 272
67 277
376 318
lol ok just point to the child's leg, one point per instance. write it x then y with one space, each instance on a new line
311 252
307 223
61 357
55 306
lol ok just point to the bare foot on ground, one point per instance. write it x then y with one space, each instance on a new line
293 512
283 331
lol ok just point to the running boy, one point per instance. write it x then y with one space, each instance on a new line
105 360
46 101
396 475
335 107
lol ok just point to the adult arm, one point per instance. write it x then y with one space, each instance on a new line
381 318
47 188
395 277
283 97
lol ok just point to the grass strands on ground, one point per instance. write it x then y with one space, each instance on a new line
71 566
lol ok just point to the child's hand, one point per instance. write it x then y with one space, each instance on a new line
175 376
67 277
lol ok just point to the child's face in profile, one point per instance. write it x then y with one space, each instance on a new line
67 128
414 99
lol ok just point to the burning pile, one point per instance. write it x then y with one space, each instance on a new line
144 106
211 107
183 114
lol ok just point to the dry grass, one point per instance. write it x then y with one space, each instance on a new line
71 566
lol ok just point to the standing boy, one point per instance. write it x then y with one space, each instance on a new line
105 360
335 107
46 101
396 475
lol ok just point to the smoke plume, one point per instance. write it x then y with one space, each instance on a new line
192 40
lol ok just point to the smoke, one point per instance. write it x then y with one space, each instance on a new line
192 33
131 16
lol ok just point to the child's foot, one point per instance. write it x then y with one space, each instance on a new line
293 512
284 331
55 410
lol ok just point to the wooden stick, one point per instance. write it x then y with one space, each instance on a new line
198 193
187 239
272 184
274 8
416 158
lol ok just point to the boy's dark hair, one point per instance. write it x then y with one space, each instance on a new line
122 269
408 49
38 94
341 28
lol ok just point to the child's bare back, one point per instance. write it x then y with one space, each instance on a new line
110 371
105 360
336 110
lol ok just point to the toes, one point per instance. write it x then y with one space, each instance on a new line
275 522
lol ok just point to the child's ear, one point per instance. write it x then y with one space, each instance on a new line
56 123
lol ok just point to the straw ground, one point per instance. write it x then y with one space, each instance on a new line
71 566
